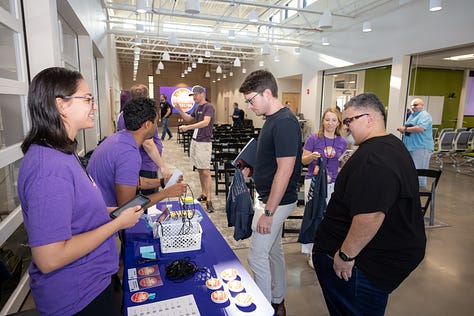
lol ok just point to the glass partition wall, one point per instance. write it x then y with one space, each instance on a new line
13 126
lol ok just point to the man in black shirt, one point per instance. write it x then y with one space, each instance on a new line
237 115
165 110
276 173
372 235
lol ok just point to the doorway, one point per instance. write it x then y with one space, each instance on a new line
294 99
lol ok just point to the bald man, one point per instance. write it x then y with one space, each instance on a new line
417 136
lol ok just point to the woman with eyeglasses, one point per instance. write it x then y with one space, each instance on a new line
329 145
71 236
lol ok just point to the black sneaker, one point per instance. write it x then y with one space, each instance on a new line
202 198
170 137
210 208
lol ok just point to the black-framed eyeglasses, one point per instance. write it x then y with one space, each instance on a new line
414 104
90 99
348 120
250 100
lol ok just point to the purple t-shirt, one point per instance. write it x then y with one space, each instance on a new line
205 133
59 201
115 161
147 163
330 149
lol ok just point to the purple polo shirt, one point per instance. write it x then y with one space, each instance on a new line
205 133
115 161
59 201
147 163
330 150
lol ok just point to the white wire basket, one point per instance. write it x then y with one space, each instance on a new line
178 237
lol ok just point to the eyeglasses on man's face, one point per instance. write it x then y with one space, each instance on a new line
348 120
250 100
90 99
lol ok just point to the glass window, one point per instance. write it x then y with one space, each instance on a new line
307 3
70 47
291 4
276 17
345 81
11 128
8 51
8 189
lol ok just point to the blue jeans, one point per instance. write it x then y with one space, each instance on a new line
165 128
358 296
421 158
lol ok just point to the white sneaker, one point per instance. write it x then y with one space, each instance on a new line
310 261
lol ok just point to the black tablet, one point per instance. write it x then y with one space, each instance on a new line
137 200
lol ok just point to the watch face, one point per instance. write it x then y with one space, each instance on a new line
268 213
344 257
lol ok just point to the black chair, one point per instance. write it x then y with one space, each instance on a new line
222 164
445 145
427 195
187 141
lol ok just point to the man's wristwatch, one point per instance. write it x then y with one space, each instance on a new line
345 257
268 213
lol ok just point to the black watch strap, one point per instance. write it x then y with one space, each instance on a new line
345 257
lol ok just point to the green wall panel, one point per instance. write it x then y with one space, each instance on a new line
377 80
440 82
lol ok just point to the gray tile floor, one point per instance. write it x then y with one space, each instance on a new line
442 285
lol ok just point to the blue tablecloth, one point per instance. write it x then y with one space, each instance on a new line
215 256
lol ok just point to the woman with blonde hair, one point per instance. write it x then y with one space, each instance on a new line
329 145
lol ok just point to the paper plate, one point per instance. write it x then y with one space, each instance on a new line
243 299
213 283
229 274
235 285
219 297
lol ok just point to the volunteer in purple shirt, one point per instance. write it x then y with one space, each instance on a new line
329 145
69 230
116 162
151 150
200 149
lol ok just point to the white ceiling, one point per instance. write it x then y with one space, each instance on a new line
198 33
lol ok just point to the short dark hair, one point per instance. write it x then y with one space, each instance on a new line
258 81
367 100
137 111
47 126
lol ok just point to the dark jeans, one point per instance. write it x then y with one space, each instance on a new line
358 296
104 304
165 128
148 175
